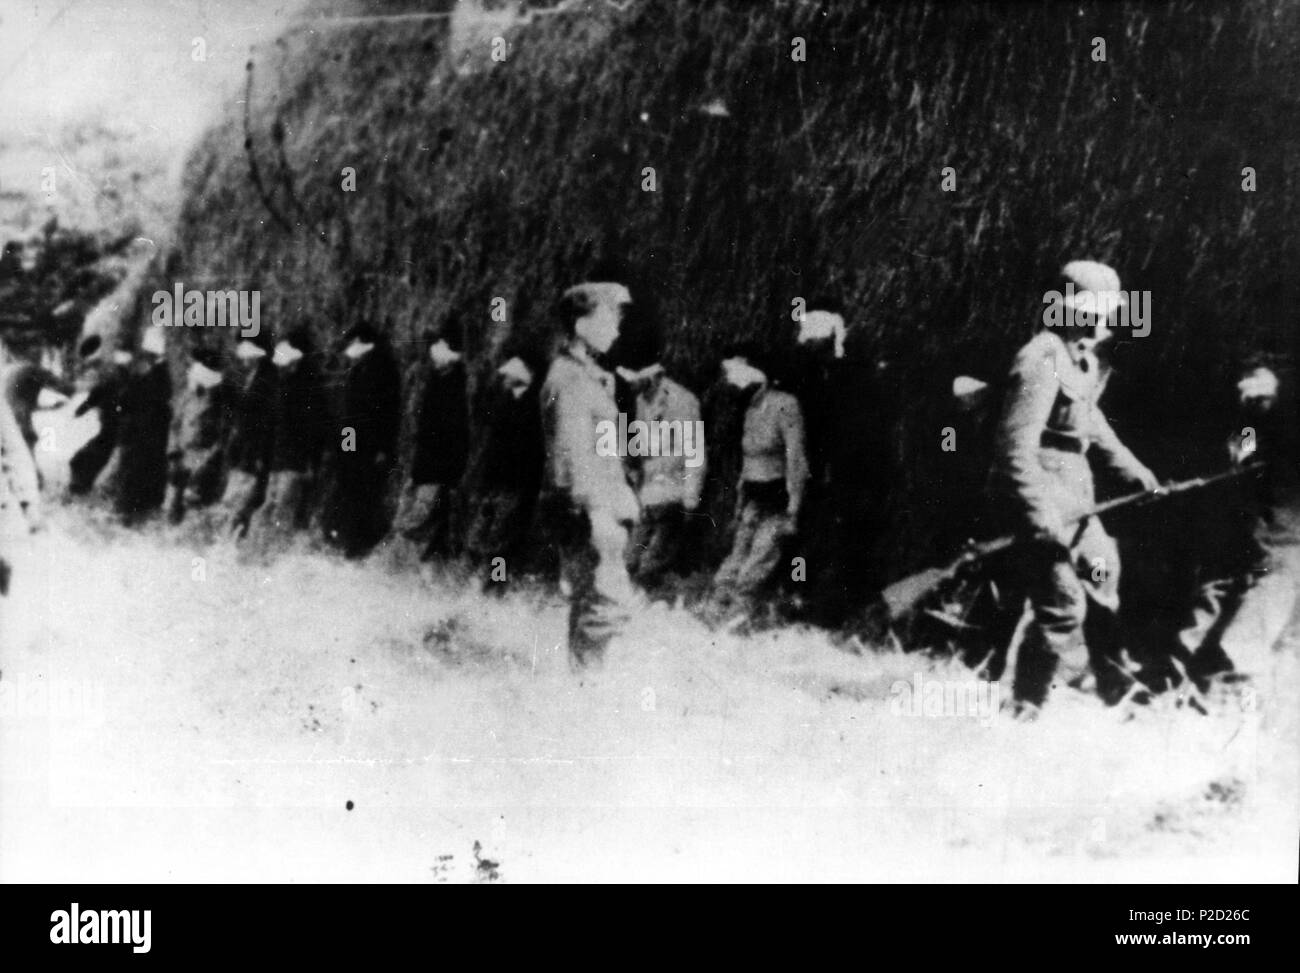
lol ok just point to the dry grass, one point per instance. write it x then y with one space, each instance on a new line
249 707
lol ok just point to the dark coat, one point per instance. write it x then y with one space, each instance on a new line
372 403
105 395
146 413
852 438
1236 519
252 427
301 420
356 516
515 452
441 442
851 423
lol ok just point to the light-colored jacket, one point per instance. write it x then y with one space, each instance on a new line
1050 420
20 494
772 444
667 478
577 396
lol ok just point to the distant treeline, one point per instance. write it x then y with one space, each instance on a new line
49 281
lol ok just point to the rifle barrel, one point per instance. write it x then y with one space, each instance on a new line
1169 489
903 595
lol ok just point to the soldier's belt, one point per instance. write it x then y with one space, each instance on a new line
1062 441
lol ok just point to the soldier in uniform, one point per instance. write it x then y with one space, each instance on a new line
773 478
586 499
1051 421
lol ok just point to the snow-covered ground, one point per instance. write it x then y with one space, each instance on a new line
216 716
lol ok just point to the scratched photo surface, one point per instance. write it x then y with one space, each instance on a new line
656 440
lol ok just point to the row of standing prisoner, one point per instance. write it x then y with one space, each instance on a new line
275 442
797 456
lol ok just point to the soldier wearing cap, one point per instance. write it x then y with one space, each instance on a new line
586 499
1050 423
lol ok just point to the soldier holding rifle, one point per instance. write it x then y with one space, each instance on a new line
1041 480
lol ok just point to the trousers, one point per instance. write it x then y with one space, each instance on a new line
762 530
1073 597
590 546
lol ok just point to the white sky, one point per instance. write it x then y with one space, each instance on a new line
126 62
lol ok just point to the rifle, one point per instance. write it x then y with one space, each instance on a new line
902 596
